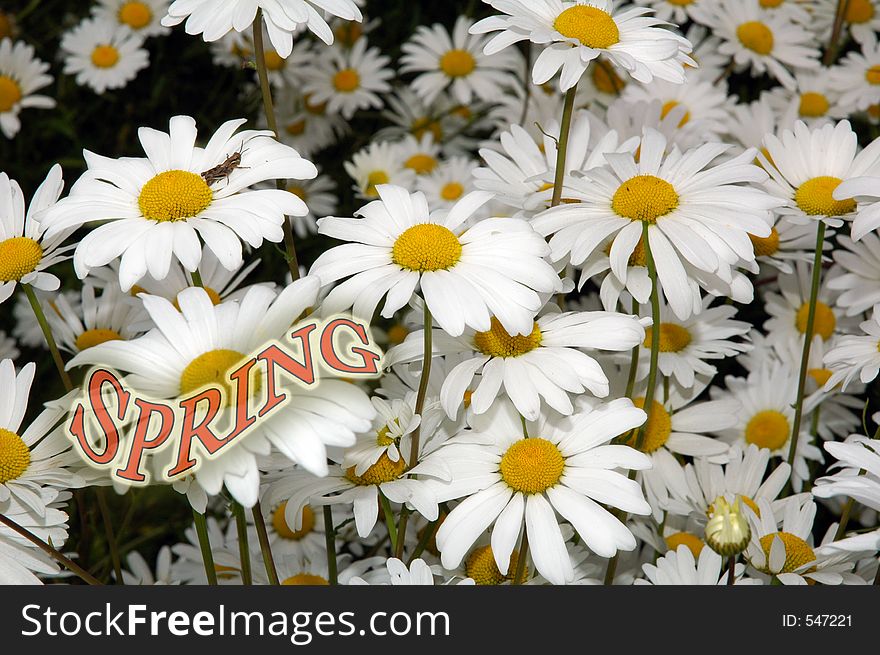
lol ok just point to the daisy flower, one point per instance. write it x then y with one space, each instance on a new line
680 567
139 572
864 190
281 18
763 41
811 100
20 564
305 124
27 330
420 155
456 61
687 345
199 343
787 552
141 16
857 77
308 540
38 457
567 467
861 18
548 363
26 250
320 197
693 213
859 283
103 55
448 183
787 244
349 80
855 356
466 274
21 74
675 11
418 573
157 207
806 167
110 316
379 163
858 471
576 33
767 398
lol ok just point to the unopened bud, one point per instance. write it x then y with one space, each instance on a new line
728 531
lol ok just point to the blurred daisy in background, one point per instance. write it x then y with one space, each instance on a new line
103 55
143 17
21 75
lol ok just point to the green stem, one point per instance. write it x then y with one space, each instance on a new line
265 547
389 519
430 529
808 340
330 544
523 556
72 566
633 358
101 493
731 570
197 279
271 121
47 332
244 554
205 546
562 145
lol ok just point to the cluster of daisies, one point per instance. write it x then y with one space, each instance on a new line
629 296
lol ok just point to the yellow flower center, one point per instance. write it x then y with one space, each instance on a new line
296 128
10 93
669 106
397 333
673 338
105 56
384 470
317 109
274 61
382 438
820 375
285 531
481 567
496 342
457 63
422 126
15 456
346 80
591 26
210 368
226 572
348 32
605 79
644 198
813 105
680 3
95 336
823 323
766 246
859 11
692 541
421 163
136 15
873 75
771 4
426 247
814 197
768 429
298 191
532 465
213 295
797 551
451 191
174 195
18 257
657 430
756 36
373 179
305 580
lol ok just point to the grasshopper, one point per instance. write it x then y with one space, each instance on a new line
224 170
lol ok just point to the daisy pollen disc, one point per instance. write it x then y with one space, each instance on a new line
496 342
591 26
813 105
797 551
673 338
18 257
15 456
426 247
174 196
644 198
285 531
768 429
136 15
105 56
814 197
657 430
210 368
766 246
824 321
532 465
480 566
305 580
691 541
93 337
457 63
10 93
346 80
756 36
384 470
